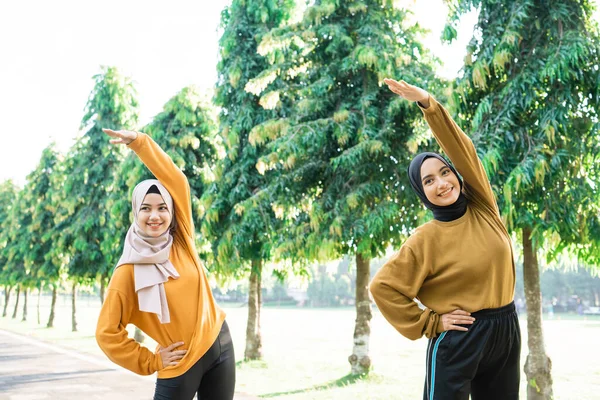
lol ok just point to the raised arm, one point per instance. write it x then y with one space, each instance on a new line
455 143
163 168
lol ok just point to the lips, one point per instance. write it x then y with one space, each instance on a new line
154 226
446 192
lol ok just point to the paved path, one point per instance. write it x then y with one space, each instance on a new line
31 369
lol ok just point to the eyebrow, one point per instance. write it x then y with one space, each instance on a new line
150 205
430 175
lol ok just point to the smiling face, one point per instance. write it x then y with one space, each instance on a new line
440 184
153 217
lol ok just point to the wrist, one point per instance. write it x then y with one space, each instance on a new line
424 102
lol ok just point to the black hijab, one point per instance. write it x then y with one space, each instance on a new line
445 213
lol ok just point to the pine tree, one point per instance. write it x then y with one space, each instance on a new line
89 170
239 229
344 146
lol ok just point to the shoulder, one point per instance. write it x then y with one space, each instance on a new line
123 279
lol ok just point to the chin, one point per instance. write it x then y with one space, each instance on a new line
154 233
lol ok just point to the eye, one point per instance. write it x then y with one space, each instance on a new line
428 181
144 208
163 208
446 171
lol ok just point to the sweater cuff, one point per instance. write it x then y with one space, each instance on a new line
433 106
138 142
440 326
158 365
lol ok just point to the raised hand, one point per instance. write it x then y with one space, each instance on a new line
454 319
408 91
120 137
170 356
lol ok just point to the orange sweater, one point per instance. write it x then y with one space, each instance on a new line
195 318
466 263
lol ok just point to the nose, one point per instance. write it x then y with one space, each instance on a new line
443 184
154 215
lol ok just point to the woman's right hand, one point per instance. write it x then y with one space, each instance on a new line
169 355
121 137
455 318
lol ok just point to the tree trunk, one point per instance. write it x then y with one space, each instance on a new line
73 318
359 360
25 304
103 279
139 335
538 365
253 339
38 303
50 323
7 290
17 303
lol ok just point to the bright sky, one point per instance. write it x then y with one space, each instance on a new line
49 51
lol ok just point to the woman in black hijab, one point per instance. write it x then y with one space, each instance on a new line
459 266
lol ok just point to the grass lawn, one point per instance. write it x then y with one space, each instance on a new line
306 350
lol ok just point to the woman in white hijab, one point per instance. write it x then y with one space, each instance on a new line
160 286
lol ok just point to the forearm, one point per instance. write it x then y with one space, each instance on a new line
113 339
126 352
158 162
404 314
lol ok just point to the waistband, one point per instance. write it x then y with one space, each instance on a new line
490 313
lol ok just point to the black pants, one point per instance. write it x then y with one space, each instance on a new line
212 377
483 362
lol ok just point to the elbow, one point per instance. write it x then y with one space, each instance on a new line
376 287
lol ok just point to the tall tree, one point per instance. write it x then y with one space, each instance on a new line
343 151
42 231
89 175
17 247
8 195
240 232
530 91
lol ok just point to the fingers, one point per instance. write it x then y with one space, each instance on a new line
457 328
455 320
459 312
173 346
171 356
112 133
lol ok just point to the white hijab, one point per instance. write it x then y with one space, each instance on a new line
150 256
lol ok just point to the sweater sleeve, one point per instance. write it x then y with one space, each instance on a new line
172 178
113 339
394 287
459 148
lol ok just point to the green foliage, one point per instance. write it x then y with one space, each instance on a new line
41 232
15 234
342 140
89 173
238 223
531 93
8 198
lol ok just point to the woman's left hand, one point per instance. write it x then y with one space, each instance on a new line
455 318
121 137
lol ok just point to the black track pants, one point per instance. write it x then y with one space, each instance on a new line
212 377
483 362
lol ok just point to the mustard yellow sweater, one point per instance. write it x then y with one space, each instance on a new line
195 317
462 264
